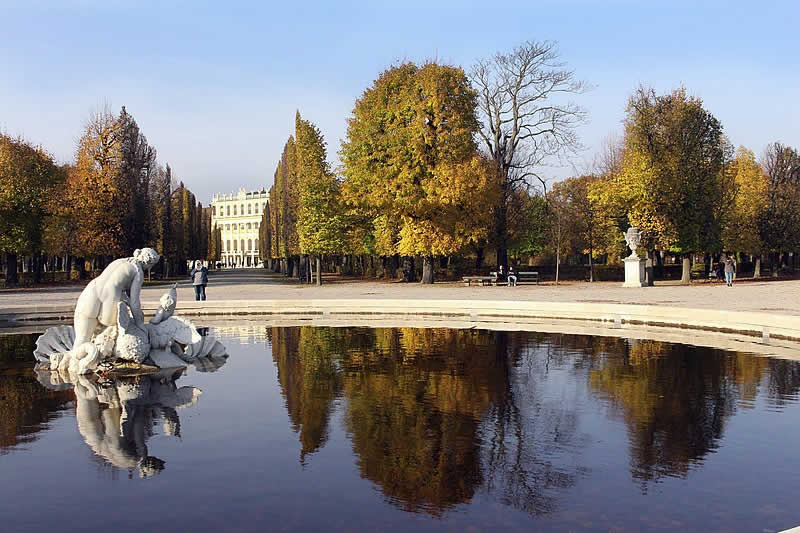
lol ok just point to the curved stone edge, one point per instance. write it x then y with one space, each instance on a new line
753 324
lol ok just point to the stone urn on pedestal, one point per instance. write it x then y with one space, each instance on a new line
634 265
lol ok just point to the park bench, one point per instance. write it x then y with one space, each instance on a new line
527 276
522 277
483 280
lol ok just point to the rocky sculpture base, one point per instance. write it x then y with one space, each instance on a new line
634 272
167 341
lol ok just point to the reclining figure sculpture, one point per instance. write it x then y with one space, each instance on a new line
109 326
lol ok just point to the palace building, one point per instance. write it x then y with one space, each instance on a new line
239 217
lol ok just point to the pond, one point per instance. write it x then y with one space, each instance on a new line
392 429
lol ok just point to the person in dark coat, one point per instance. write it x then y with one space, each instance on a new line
199 275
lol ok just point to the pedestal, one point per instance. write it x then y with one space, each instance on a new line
634 272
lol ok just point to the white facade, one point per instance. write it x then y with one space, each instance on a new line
239 217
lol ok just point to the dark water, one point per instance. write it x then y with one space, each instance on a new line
354 429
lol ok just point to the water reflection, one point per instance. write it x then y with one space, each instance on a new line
677 400
25 407
432 414
435 415
116 417
457 425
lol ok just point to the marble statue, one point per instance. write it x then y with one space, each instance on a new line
116 417
633 238
109 327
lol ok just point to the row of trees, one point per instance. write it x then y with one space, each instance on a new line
676 176
438 162
114 198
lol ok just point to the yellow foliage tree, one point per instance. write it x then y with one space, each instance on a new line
740 232
411 163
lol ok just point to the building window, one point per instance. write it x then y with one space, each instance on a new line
229 210
242 210
248 225
228 245
234 210
249 245
234 245
243 245
249 209
213 210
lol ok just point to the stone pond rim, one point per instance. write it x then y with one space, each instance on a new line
755 324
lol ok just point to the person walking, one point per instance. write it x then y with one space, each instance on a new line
199 277
730 269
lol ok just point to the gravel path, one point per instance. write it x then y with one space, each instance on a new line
778 297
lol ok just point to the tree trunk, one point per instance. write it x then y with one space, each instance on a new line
12 279
686 272
427 269
38 263
81 267
757 271
409 273
479 258
501 227
558 261
319 271
591 265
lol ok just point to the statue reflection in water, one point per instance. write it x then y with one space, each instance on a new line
117 416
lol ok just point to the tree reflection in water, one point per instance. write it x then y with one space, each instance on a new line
435 415
675 399
432 414
25 407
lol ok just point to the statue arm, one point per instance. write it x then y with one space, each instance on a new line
135 304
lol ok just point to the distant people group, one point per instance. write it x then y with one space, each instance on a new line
199 275
727 268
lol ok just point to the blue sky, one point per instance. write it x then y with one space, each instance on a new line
215 85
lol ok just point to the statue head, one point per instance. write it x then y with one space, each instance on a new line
148 257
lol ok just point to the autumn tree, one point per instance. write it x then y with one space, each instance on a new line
94 189
670 181
527 224
526 120
561 227
265 234
60 224
779 223
283 200
136 170
411 164
320 221
591 229
28 175
160 213
740 232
